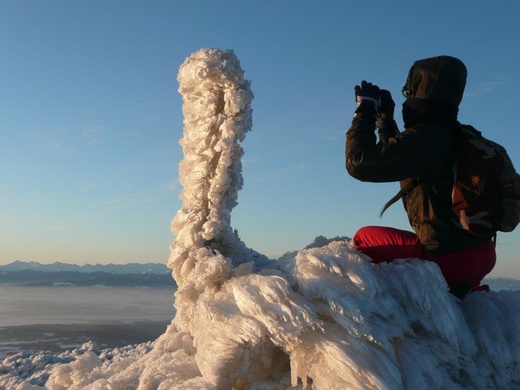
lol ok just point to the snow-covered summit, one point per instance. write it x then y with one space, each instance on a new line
323 317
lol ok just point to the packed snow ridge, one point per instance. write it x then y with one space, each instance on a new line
323 317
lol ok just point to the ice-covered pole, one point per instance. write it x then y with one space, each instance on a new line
217 114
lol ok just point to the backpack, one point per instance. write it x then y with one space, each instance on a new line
486 186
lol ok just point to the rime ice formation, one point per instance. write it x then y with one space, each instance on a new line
323 317
217 115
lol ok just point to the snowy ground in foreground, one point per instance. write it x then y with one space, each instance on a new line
391 325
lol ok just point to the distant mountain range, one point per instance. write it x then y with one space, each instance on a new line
131 268
125 275
497 284
100 275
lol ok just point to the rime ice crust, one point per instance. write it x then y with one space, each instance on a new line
217 115
217 112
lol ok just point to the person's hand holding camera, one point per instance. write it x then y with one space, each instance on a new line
386 105
367 96
385 116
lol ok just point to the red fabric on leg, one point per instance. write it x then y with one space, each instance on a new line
383 243
467 266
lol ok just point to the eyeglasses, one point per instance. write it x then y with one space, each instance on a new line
406 92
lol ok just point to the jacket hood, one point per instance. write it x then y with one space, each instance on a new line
441 78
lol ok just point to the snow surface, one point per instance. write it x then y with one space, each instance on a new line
323 317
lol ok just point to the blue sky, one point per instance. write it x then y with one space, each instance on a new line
90 116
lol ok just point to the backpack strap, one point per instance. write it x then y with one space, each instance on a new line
404 191
455 128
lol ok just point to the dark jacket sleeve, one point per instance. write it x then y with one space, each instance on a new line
396 156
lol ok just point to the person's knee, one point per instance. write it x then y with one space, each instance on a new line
383 243
384 236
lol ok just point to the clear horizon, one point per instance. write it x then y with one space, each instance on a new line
90 116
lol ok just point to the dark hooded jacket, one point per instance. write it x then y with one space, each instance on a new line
420 157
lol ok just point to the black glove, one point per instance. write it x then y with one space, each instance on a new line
367 96
385 116
387 105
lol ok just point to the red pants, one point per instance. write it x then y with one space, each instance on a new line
464 267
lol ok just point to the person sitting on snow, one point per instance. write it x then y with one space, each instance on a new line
421 159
